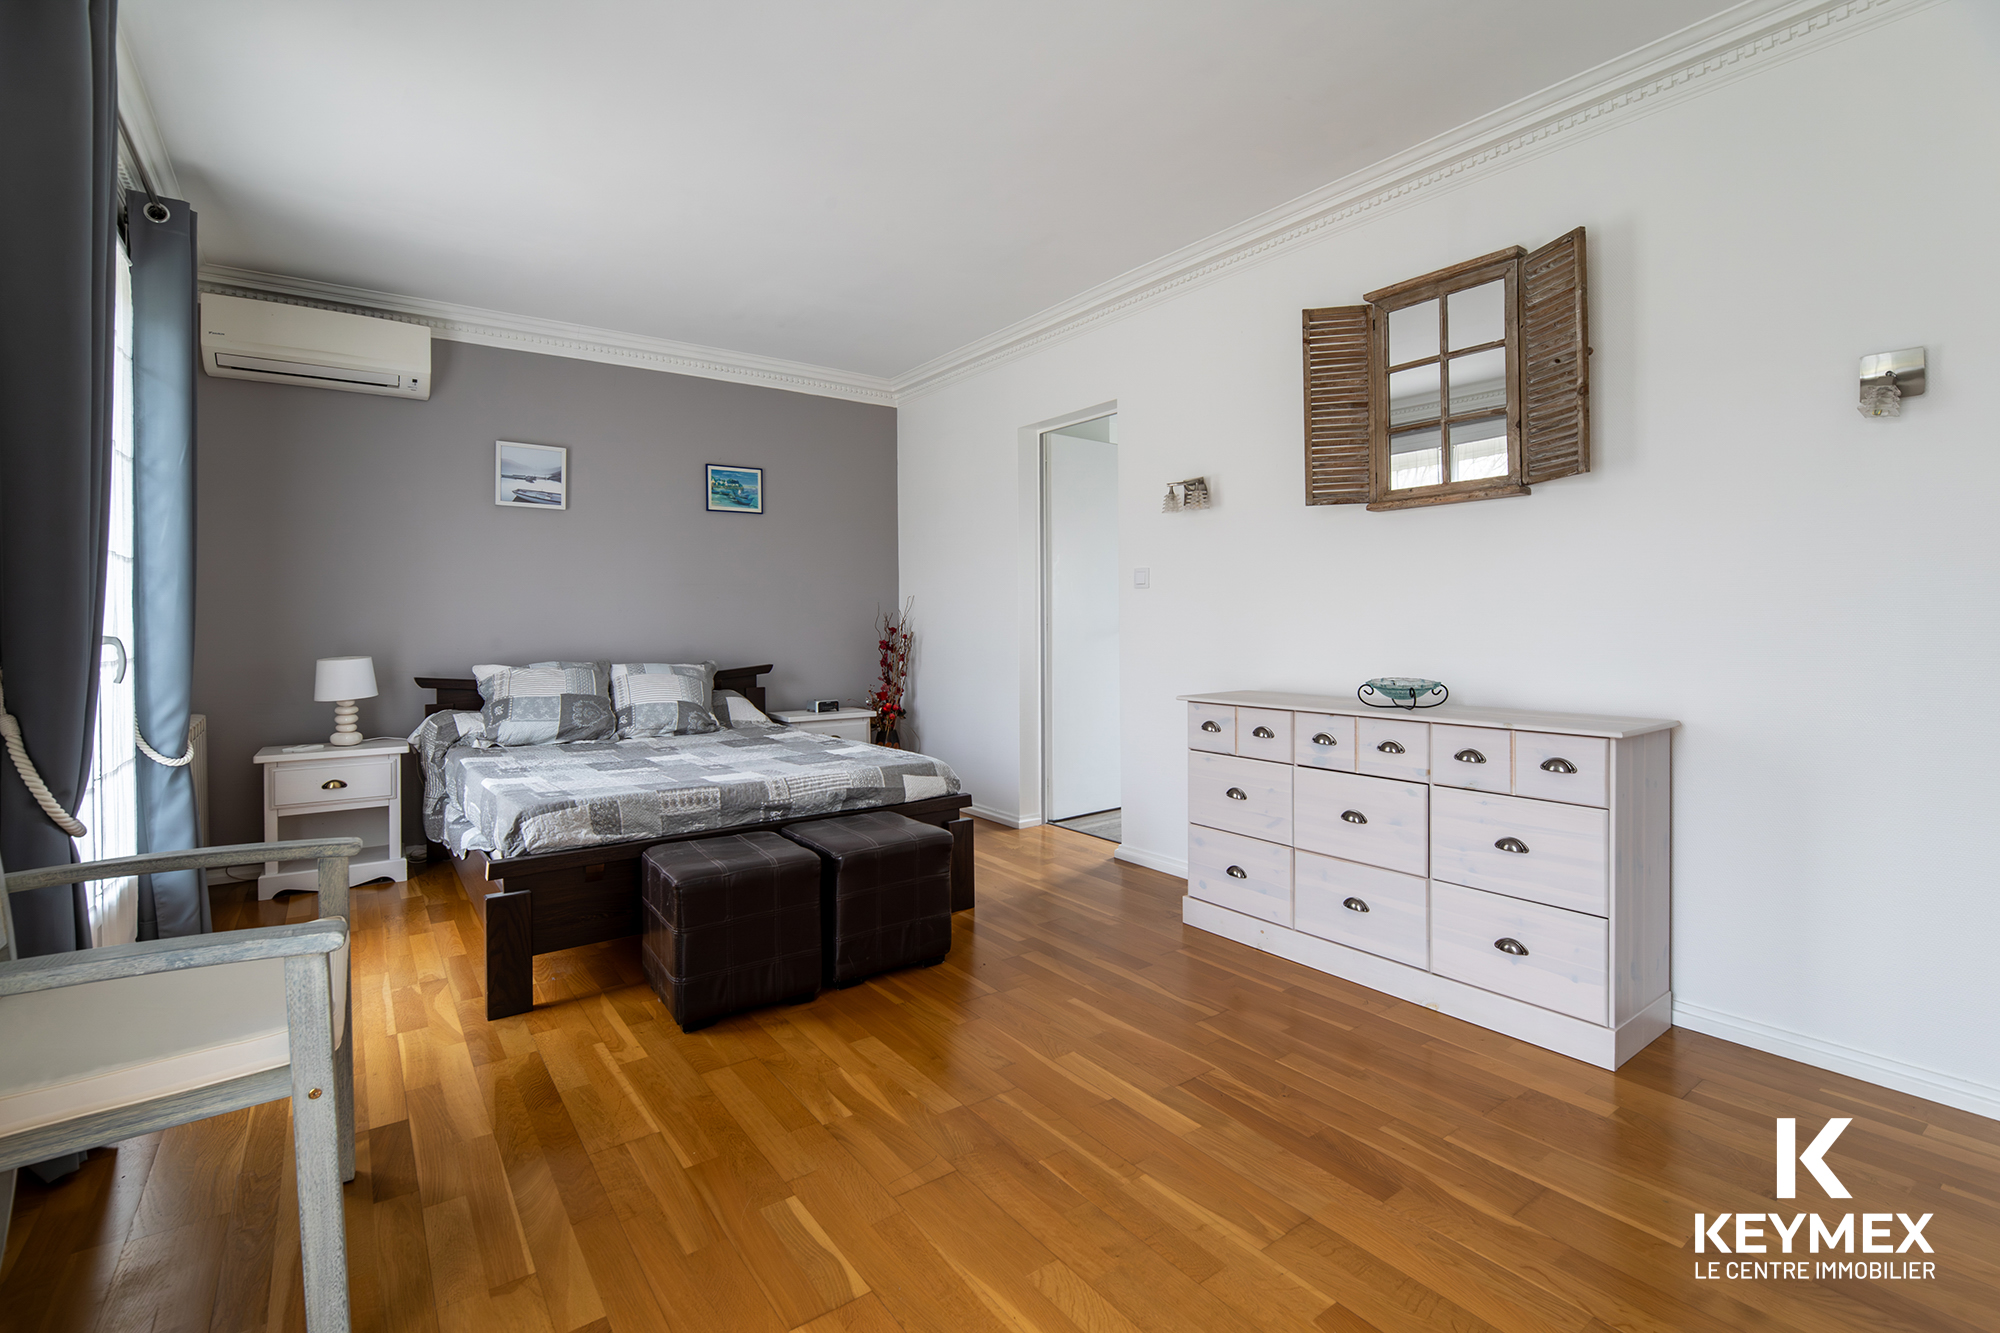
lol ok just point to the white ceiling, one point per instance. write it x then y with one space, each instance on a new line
864 186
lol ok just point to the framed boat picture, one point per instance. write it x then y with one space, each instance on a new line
735 490
530 476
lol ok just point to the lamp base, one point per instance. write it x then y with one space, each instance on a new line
345 711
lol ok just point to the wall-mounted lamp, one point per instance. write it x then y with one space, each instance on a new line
1887 378
1189 494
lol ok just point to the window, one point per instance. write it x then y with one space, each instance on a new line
110 808
1469 383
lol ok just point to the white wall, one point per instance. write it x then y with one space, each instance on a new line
1084 737
1813 594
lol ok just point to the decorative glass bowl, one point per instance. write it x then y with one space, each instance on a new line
1402 692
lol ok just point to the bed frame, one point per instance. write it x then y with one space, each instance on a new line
560 900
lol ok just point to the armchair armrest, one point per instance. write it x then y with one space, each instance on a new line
51 971
200 858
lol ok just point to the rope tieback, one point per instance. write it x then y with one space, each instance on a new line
10 730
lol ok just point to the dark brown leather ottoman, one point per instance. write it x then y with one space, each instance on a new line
731 923
885 893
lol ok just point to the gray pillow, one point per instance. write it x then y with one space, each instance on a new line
663 698
544 703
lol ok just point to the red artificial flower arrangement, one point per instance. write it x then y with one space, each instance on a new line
893 641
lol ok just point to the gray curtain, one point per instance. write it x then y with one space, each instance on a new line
58 118
159 235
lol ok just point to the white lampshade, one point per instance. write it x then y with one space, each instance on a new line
337 678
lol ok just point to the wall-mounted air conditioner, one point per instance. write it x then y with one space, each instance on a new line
322 349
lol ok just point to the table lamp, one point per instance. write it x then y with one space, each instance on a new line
340 681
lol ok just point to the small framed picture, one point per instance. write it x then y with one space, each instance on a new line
735 490
530 476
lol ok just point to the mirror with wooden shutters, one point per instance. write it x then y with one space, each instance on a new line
1470 383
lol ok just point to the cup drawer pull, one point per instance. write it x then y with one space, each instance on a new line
1507 944
1355 905
1237 794
1354 816
1264 734
332 784
1237 872
1469 757
1211 726
1324 739
1390 747
1512 845
1558 766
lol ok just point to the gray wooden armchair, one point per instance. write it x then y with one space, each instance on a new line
102 1044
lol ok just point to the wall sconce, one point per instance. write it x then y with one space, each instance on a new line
1189 494
1887 378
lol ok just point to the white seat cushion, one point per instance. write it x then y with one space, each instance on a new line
83 1049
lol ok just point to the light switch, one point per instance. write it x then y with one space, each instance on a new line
1142 578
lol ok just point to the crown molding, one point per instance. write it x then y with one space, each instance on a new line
1697 59
135 108
525 333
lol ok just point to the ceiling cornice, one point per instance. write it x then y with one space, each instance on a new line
1697 59
135 108
525 333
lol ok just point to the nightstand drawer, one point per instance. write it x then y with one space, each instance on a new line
1242 874
1378 911
1562 768
1481 758
1323 740
1264 733
1377 821
334 780
1212 727
1538 850
1393 748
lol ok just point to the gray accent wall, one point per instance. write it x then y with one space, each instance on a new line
334 523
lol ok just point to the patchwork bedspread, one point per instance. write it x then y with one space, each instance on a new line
527 800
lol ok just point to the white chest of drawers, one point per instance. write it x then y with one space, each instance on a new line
1506 867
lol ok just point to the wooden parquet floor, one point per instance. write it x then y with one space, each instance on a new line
1090 1119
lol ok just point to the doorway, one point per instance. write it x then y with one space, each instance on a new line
1082 781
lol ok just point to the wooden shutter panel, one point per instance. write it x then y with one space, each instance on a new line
1555 355
1338 340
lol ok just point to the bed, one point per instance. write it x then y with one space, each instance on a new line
546 840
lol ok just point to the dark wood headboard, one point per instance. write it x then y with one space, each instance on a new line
462 695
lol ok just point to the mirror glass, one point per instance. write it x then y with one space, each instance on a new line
1479 382
1479 448
1413 333
1415 458
1477 315
1413 395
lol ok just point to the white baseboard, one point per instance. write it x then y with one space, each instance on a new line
1966 1095
1175 866
1009 821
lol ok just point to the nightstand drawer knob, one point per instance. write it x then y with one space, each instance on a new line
1238 872
1513 946
1264 734
1469 757
1354 816
1211 727
1390 747
1512 845
1236 794
1324 739
1355 905
332 784
1558 766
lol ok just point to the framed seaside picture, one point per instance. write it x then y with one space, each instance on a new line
530 476
735 490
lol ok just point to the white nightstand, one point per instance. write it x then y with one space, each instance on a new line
850 724
331 792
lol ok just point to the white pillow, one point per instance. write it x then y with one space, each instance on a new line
737 710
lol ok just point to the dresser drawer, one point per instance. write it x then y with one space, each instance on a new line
1392 748
1243 874
1376 821
1212 727
1264 733
1323 740
1562 768
333 780
1563 964
1539 850
1363 907
1245 796
1481 758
